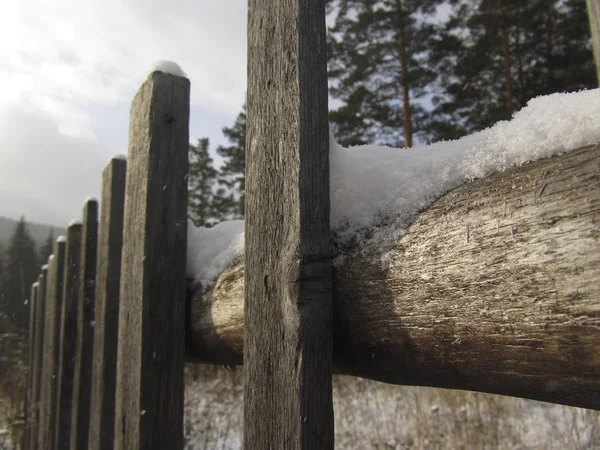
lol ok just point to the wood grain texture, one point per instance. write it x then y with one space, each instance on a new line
149 396
106 329
54 290
494 288
84 346
68 338
288 297
38 359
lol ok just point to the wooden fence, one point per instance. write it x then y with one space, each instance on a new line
107 314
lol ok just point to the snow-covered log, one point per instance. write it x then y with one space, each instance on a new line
494 288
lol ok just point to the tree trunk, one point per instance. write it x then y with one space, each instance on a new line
506 52
494 288
404 76
593 7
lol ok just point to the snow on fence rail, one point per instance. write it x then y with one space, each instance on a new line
494 287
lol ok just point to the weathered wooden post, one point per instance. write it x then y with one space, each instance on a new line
68 337
594 16
54 290
80 410
108 276
33 302
37 359
149 395
288 278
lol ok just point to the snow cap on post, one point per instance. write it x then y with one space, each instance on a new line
168 67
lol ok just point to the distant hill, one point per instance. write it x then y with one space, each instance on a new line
39 232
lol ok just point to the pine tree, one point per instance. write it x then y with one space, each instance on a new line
205 203
47 248
20 273
377 69
232 173
493 56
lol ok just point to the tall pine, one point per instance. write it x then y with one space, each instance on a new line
19 274
201 180
493 56
378 69
232 173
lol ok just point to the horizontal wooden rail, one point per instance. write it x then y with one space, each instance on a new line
494 288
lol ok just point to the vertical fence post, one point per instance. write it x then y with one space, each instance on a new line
33 303
68 337
108 276
37 358
42 410
149 396
80 412
50 353
288 278
594 17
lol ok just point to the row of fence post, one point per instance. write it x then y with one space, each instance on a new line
133 378
107 313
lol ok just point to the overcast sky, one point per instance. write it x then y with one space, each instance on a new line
68 72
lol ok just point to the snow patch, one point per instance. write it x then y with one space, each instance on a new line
168 67
120 157
74 222
211 250
377 191
373 187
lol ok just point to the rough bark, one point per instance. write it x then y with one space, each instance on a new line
494 288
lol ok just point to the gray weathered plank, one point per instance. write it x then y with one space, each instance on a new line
68 338
511 310
82 381
594 16
288 278
108 276
54 292
37 358
33 303
149 396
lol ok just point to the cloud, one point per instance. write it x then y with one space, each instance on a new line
62 55
45 174
64 62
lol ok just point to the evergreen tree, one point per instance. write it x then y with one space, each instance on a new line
378 69
20 273
47 248
493 56
205 203
232 173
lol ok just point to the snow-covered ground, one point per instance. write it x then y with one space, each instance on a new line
372 415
